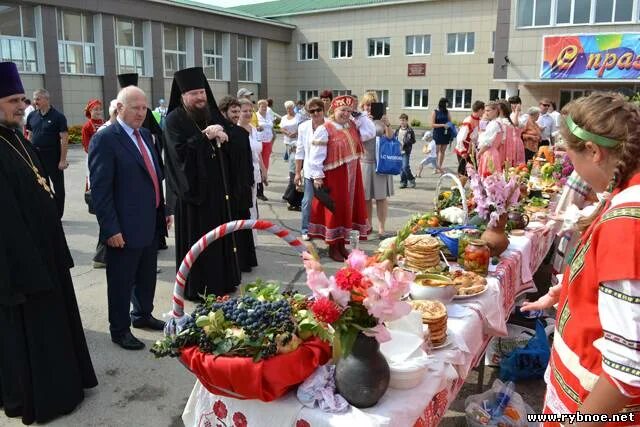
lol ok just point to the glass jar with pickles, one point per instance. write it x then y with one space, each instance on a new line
467 235
476 257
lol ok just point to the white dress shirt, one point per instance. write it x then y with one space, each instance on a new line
548 125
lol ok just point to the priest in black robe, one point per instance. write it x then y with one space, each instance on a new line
44 361
197 174
240 179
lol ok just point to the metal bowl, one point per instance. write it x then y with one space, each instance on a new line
442 293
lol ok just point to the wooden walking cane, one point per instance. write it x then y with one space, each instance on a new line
225 185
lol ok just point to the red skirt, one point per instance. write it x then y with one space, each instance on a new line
347 191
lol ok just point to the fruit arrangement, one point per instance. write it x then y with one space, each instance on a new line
260 323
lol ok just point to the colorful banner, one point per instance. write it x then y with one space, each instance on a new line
591 56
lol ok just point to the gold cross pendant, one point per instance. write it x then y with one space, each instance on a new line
43 182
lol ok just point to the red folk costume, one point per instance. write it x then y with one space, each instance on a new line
91 125
597 332
343 178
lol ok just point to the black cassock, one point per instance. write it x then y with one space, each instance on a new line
44 361
194 176
238 150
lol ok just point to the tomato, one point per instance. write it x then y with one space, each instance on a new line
433 221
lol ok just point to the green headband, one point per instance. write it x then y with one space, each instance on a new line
585 135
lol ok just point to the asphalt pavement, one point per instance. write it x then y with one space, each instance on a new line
135 389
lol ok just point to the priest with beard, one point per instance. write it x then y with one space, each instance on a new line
198 176
44 360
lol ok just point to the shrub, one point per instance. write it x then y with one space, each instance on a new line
415 123
75 134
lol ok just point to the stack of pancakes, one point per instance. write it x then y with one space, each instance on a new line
421 252
434 315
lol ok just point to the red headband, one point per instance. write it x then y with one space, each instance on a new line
343 101
93 103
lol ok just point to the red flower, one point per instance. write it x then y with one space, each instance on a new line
360 292
239 420
302 423
220 409
326 310
348 278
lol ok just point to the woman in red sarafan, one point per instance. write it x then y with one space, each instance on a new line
595 360
334 161
93 113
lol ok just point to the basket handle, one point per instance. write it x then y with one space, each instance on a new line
218 232
463 194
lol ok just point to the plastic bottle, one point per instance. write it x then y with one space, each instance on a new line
503 397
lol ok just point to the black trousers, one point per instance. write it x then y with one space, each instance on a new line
131 280
50 160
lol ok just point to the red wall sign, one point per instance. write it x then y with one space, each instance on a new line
416 70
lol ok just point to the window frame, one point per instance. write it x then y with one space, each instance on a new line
553 21
465 101
457 43
135 52
177 53
500 92
348 48
303 94
382 95
303 47
414 37
87 47
572 93
217 57
383 42
423 92
341 92
22 60
249 61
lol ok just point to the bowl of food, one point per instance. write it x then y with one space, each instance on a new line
434 287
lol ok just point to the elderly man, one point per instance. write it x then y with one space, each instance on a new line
126 181
47 129
44 361
198 172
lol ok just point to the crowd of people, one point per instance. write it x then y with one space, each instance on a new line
199 162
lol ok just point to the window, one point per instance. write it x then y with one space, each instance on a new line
496 94
18 37
212 54
383 95
573 12
493 41
306 95
418 45
245 59
416 98
460 42
76 46
342 49
379 47
341 92
566 96
175 49
308 51
129 46
458 98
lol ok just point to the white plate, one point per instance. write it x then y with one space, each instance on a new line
471 296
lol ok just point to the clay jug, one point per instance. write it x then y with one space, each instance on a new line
496 237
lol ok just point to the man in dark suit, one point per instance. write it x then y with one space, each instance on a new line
126 187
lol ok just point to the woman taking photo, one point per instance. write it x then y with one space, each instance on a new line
441 135
334 166
595 358
512 149
376 187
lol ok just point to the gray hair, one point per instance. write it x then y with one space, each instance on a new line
125 94
289 104
533 110
41 92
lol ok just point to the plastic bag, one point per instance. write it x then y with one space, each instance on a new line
388 156
528 362
499 406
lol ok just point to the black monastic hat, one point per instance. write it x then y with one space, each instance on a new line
128 79
191 79
10 84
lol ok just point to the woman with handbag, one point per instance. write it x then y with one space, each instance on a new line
376 186
334 166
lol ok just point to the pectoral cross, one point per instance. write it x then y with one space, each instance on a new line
42 181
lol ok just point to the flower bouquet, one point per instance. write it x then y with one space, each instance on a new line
360 297
493 194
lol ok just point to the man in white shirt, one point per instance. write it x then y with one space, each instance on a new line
315 108
546 122
553 112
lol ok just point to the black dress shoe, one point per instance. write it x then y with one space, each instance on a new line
150 323
128 342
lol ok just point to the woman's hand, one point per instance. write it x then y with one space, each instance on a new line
545 301
317 183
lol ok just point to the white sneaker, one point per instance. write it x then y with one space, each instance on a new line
306 237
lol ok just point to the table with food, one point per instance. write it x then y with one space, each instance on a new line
389 338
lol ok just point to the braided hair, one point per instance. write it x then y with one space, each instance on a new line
610 115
